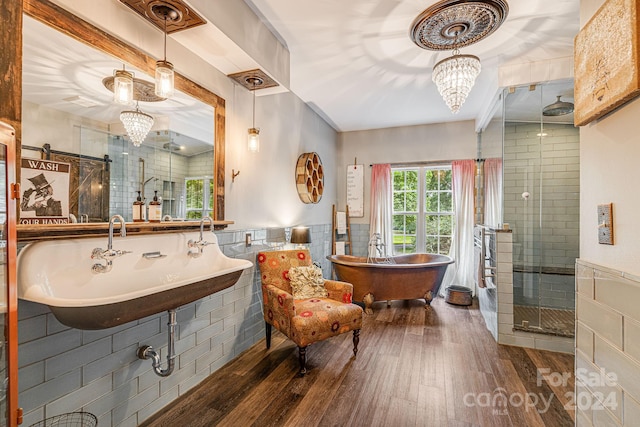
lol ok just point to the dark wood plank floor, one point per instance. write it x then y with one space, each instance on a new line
415 367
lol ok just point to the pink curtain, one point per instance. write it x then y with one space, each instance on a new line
493 191
380 219
463 182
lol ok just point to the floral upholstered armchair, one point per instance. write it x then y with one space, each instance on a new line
302 305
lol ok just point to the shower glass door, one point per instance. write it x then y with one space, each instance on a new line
541 203
523 199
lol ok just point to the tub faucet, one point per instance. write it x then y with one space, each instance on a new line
109 254
201 243
376 241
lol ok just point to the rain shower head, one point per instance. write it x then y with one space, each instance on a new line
558 108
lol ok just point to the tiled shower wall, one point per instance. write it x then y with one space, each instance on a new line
161 167
607 381
557 157
547 167
63 369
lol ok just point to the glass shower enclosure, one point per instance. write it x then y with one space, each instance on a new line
541 201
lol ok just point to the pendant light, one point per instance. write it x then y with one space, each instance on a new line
254 133
164 69
123 87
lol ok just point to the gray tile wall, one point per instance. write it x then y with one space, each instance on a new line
161 166
555 202
63 370
557 157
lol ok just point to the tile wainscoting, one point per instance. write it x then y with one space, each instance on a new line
607 383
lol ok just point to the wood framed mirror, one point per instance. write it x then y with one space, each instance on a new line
72 26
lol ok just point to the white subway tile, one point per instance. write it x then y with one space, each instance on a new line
614 360
600 319
618 293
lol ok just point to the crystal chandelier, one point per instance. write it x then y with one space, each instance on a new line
137 124
452 24
454 77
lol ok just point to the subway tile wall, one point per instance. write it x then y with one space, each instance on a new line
557 157
166 172
607 347
63 369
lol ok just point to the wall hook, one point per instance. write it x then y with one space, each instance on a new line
234 174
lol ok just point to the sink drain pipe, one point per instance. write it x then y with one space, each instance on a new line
147 352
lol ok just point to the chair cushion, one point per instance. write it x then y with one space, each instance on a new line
319 318
307 282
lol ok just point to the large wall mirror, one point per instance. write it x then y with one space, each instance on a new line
69 116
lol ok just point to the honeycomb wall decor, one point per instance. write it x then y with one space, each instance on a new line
309 178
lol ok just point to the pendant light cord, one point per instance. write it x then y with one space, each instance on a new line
165 37
254 104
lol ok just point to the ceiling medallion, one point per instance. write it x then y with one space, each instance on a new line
142 90
453 24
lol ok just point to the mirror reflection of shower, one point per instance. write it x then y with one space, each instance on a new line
143 182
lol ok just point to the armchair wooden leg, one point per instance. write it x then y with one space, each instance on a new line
356 340
267 333
302 357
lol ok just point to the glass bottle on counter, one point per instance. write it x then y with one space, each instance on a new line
139 211
155 208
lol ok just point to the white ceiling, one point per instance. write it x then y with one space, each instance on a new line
355 64
352 61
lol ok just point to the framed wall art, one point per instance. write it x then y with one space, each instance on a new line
606 61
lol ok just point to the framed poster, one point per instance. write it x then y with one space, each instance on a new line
606 61
45 192
355 190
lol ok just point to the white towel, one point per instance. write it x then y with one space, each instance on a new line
339 248
341 222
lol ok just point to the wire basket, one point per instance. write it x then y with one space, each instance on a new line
72 419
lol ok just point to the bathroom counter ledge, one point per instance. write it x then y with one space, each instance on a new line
30 232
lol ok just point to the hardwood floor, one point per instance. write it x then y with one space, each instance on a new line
415 367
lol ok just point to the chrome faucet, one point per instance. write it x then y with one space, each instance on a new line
109 254
376 241
201 243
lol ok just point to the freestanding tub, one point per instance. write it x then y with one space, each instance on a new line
409 277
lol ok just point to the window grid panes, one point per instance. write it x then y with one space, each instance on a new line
405 211
199 202
426 193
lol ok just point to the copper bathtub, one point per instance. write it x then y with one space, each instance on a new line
410 276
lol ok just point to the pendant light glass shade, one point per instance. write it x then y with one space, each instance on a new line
454 77
254 140
123 87
164 79
164 69
137 124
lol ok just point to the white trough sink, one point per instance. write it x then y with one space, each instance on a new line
59 274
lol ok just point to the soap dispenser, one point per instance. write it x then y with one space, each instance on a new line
139 211
155 208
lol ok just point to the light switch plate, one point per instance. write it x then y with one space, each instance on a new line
605 224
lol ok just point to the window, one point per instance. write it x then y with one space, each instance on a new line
422 210
199 200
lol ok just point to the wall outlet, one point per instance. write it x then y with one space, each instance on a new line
247 240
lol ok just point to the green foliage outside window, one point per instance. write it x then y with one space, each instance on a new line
197 198
437 210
